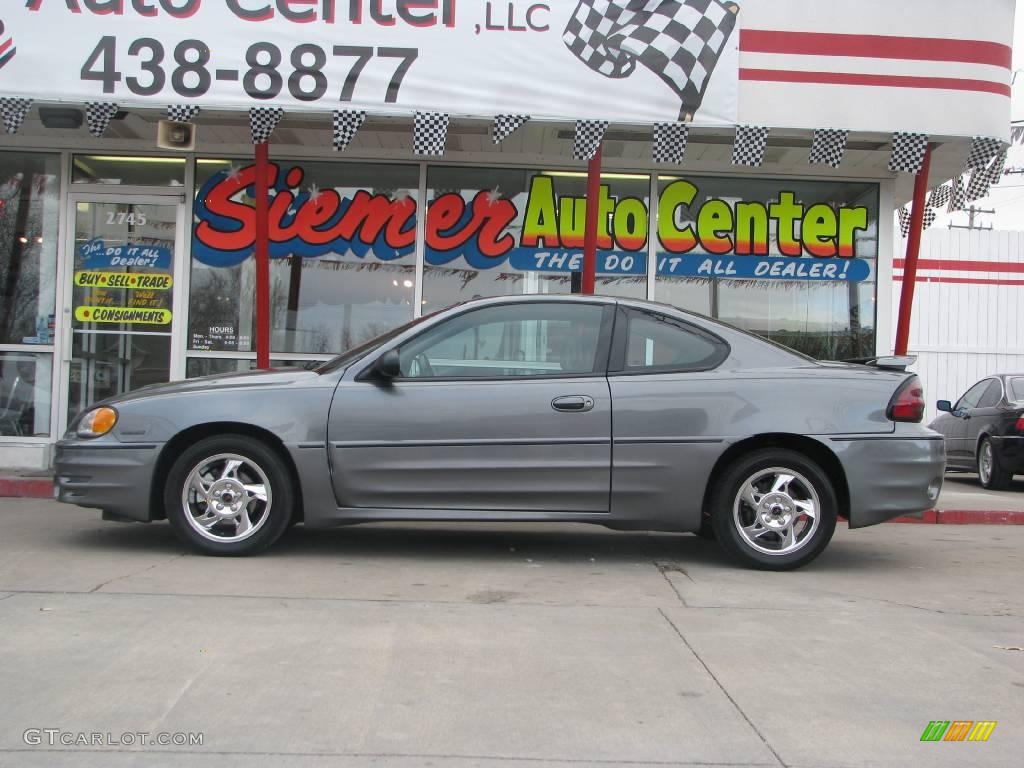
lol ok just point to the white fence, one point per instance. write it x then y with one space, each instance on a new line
968 319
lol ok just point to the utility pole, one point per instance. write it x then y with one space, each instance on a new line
971 212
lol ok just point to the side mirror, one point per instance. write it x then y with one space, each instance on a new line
388 365
944 405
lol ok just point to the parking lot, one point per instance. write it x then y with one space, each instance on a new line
506 645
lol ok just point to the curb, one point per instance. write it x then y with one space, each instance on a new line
42 488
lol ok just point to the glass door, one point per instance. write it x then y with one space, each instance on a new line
120 300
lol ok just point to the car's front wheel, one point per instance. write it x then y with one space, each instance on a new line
990 472
774 509
229 495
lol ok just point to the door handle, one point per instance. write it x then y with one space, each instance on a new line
573 403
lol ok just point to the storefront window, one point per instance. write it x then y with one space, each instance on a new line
127 170
25 389
29 212
790 260
502 231
342 255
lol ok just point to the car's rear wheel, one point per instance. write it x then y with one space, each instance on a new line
774 509
229 495
990 472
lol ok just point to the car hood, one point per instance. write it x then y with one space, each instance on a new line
271 378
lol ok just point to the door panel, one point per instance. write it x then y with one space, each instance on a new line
471 445
504 407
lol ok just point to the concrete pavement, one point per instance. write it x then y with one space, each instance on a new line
506 646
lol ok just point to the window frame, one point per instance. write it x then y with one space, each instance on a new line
999 398
604 344
960 403
620 342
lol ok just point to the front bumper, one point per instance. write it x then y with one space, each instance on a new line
111 476
891 476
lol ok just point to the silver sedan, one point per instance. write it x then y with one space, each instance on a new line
622 413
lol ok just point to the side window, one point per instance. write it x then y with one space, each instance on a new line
530 339
973 395
992 395
660 343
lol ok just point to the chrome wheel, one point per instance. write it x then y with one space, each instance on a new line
776 511
985 463
226 498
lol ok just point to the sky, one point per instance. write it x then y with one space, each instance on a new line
1007 198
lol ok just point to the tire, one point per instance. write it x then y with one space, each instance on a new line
780 534
991 473
217 481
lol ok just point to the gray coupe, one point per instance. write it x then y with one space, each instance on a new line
623 413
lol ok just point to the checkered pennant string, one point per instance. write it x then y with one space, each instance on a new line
978 186
828 147
680 41
957 197
263 121
505 125
904 217
589 135
751 141
182 113
13 112
98 115
929 218
940 196
983 149
430 131
346 123
670 142
908 152
996 168
1017 134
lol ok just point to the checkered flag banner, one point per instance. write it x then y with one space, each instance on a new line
996 168
678 40
13 112
958 196
940 196
1017 134
263 121
907 152
430 131
751 141
182 113
929 218
983 149
98 115
904 217
347 123
828 147
978 186
589 135
670 142
505 125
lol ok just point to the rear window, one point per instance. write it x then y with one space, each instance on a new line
1016 392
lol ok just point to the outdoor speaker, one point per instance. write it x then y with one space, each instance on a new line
60 117
174 135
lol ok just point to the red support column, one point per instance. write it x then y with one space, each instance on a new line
262 256
590 234
913 250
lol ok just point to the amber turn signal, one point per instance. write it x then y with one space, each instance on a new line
97 422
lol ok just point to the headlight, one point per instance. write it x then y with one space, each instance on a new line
97 422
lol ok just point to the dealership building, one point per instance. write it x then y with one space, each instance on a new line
751 156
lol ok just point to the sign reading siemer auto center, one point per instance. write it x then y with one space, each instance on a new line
939 67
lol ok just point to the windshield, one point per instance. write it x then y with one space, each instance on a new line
366 347
1016 389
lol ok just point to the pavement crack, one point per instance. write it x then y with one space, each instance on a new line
722 688
101 585
664 569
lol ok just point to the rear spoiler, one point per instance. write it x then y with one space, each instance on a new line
889 363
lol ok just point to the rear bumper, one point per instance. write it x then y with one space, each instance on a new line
891 476
110 476
1010 451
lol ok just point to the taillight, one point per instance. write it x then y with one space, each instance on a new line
908 402
1020 425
